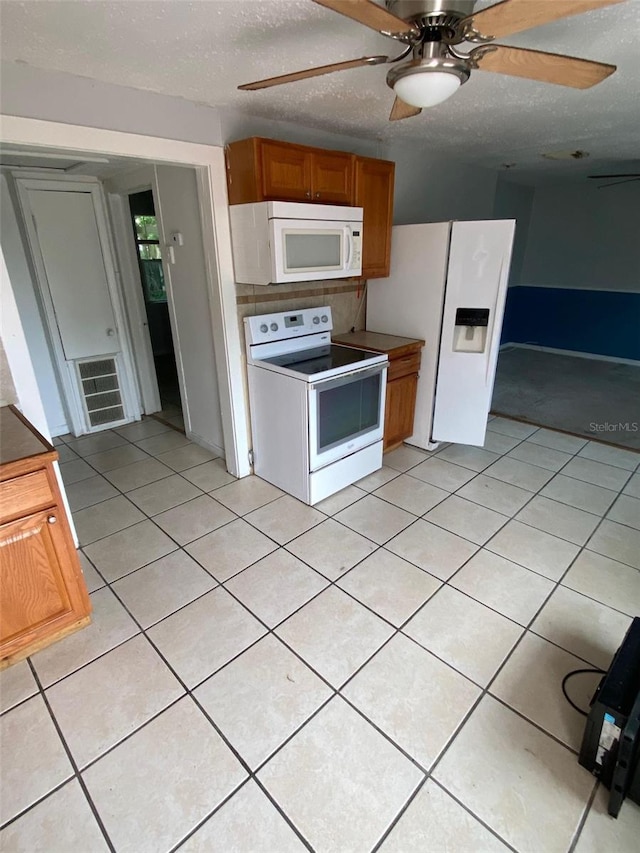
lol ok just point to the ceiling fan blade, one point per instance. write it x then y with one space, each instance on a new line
371 15
401 110
615 183
313 72
546 67
513 16
621 175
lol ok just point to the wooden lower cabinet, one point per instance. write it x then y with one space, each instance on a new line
43 594
400 408
402 379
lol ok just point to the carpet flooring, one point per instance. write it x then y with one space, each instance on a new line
597 399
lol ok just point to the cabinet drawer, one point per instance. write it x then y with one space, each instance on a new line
403 366
24 495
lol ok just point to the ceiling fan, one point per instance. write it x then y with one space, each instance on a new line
621 178
432 30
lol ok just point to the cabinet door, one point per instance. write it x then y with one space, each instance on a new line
286 172
332 177
374 193
399 408
42 587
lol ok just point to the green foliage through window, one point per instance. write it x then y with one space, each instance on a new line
146 227
150 256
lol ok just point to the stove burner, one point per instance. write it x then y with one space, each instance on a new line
320 359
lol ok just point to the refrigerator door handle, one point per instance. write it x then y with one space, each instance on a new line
494 346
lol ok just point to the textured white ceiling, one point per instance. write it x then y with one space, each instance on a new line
203 50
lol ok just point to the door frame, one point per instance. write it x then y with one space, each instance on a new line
118 204
209 162
26 181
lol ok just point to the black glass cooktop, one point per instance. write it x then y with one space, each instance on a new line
319 359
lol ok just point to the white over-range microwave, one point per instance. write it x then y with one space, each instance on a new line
275 242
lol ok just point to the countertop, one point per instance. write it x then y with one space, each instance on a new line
378 342
18 439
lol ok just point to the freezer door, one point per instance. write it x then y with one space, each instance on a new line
479 260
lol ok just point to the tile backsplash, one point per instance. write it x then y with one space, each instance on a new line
346 300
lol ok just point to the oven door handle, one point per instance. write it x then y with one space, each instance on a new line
346 378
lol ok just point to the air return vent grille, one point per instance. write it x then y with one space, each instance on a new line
100 385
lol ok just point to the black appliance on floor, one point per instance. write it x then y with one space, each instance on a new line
611 742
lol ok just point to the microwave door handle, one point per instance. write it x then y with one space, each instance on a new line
349 239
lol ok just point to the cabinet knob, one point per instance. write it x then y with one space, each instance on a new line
52 519
317 195
308 193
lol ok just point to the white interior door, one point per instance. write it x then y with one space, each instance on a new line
126 252
66 225
74 265
476 290
178 212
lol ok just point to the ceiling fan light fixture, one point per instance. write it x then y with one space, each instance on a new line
428 82
427 89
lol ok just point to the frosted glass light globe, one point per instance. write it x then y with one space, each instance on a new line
427 88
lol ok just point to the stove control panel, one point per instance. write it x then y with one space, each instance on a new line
266 328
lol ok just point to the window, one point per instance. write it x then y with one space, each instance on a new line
150 257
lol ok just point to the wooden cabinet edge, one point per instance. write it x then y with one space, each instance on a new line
34 638
25 650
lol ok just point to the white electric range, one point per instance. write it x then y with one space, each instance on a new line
317 409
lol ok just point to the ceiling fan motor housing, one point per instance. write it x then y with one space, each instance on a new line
442 13
432 57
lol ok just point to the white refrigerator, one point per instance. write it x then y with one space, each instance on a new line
448 286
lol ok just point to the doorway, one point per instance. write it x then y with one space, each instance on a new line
214 311
154 291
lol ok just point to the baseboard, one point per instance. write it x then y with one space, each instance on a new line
58 430
214 448
580 289
573 353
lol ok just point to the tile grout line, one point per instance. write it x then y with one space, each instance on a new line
334 583
71 759
583 817
486 690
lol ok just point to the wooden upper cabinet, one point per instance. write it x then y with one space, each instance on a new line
268 170
286 172
332 177
374 193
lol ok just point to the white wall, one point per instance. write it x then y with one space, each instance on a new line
7 388
515 201
56 96
429 187
584 237
14 344
27 304
433 188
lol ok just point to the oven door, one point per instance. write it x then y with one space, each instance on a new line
346 413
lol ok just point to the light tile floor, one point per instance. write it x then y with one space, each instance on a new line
381 671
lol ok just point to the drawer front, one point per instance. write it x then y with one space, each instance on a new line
403 366
24 495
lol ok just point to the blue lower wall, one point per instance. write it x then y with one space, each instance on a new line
595 321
